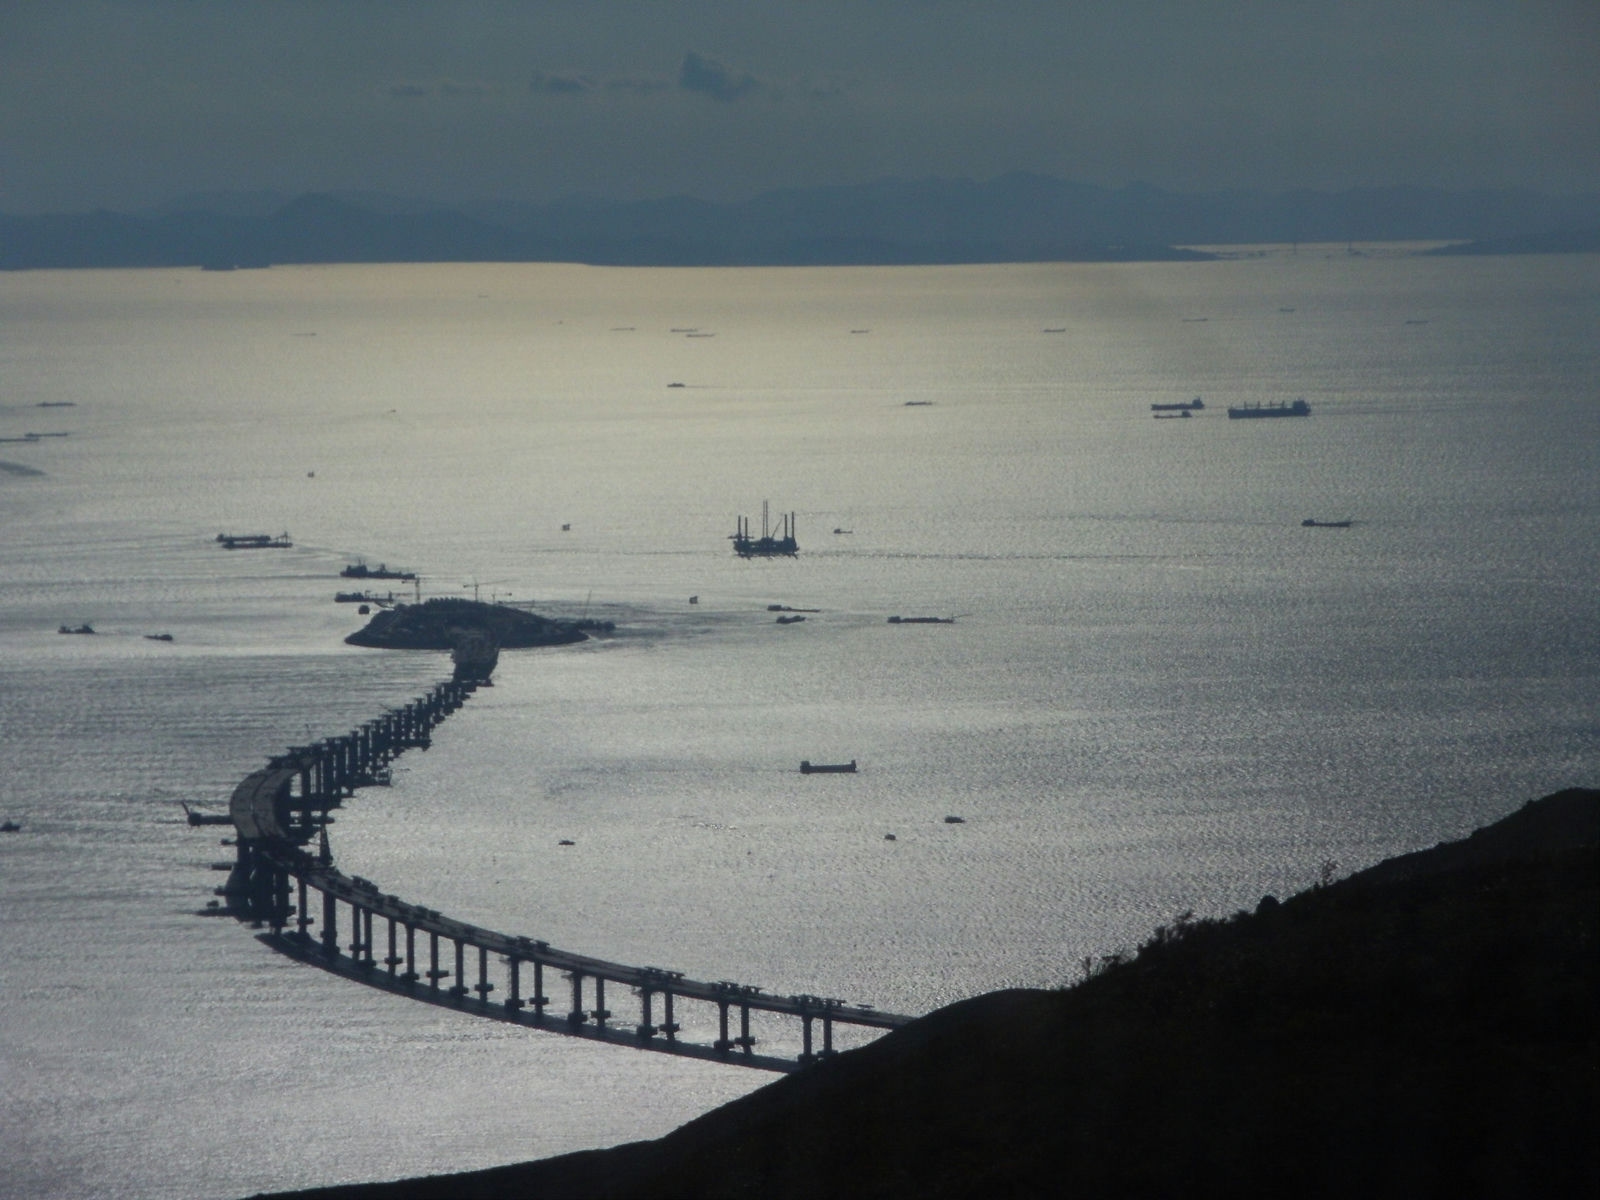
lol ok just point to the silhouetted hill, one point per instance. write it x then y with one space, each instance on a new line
1425 1028
1014 218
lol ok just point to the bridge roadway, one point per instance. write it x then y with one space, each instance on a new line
273 824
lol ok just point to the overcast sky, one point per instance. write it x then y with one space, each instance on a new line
120 105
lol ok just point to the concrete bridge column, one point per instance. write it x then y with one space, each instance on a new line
330 925
538 1000
601 1012
393 960
576 1015
483 987
302 917
805 1045
722 1043
459 988
434 973
356 912
827 1034
668 1025
744 1039
409 975
645 1029
513 1000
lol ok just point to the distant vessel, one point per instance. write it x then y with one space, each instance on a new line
362 598
807 767
254 541
1180 406
1170 416
381 571
1278 409
1313 523
79 629
771 543
922 620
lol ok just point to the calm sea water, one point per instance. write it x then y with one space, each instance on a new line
1160 692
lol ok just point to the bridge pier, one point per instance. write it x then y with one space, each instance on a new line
483 986
330 926
601 1012
645 1029
459 988
538 1000
576 1015
303 915
434 973
744 1039
722 1043
513 1001
392 960
669 1027
409 975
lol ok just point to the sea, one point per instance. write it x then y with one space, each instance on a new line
1153 690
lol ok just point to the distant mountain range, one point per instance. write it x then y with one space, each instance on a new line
1013 218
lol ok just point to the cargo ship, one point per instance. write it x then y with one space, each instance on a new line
1278 409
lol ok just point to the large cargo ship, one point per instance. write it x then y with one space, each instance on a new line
1279 409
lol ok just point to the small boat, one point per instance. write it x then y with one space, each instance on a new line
922 620
1180 406
10 827
84 628
1277 409
1313 523
158 637
787 608
837 529
790 620
807 767
200 818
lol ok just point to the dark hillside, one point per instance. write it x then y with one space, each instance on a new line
1424 1028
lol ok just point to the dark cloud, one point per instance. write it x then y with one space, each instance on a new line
711 78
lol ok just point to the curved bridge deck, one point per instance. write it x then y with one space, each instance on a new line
278 810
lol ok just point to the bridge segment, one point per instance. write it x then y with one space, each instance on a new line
279 810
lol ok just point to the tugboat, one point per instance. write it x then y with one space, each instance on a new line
770 544
1278 409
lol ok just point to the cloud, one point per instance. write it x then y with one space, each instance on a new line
711 78
559 85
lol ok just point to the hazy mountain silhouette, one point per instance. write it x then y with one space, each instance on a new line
1018 217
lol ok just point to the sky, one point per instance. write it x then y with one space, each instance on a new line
122 105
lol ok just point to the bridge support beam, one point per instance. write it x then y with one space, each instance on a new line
330 925
576 1015
513 1000
459 988
601 1012
483 987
